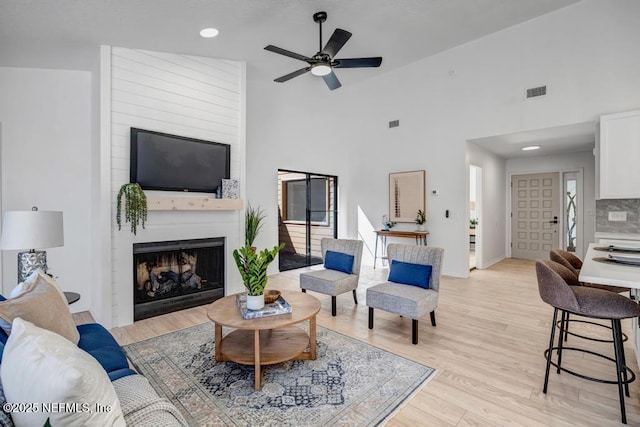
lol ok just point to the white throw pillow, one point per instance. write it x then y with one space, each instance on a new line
67 384
42 304
31 279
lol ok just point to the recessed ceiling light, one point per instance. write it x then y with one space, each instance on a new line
531 147
209 32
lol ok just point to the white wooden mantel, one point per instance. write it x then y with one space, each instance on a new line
186 203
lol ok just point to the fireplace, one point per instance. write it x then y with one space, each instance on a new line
174 275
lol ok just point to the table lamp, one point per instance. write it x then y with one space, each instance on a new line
31 230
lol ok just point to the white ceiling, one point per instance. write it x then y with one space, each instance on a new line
66 34
556 140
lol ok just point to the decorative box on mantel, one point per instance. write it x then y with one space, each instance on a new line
188 203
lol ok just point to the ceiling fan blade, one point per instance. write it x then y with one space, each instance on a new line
332 81
357 62
288 53
335 43
289 76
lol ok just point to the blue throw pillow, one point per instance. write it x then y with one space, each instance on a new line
338 261
410 274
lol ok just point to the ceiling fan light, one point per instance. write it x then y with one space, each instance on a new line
320 70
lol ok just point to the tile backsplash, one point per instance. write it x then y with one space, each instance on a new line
630 206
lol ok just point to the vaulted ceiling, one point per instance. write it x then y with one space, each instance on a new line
65 34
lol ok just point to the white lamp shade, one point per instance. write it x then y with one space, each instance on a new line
31 230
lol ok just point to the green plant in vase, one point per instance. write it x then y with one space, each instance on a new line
135 206
253 218
253 269
421 218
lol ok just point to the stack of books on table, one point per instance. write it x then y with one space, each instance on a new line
280 306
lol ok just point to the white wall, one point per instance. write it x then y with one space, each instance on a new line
46 144
581 161
182 95
490 238
286 130
584 53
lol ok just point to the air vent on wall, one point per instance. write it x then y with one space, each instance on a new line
536 91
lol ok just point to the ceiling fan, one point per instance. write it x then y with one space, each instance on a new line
323 62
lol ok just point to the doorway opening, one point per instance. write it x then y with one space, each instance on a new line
307 212
475 192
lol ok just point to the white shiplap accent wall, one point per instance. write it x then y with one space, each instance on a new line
182 95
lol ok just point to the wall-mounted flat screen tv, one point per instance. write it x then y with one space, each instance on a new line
160 161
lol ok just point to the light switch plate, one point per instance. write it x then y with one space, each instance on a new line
617 216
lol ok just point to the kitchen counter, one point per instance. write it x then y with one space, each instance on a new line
614 274
617 236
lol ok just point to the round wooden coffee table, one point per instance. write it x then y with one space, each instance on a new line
275 339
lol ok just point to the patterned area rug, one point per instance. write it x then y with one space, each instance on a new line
349 383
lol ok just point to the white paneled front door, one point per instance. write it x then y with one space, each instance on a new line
534 215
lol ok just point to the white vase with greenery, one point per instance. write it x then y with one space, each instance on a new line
253 269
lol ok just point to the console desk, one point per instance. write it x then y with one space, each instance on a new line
419 236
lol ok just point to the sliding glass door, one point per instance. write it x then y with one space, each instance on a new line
307 211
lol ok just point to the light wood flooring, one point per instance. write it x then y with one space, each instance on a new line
487 349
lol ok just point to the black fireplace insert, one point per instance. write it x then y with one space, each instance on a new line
174 275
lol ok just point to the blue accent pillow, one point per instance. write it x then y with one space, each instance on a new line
338 261
3 335
407 273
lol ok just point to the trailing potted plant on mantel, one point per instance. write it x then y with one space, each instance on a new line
135 207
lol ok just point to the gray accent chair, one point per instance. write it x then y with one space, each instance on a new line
589 302
406 300
332 282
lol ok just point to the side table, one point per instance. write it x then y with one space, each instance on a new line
71 297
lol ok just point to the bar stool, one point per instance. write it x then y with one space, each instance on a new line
589 302
574 264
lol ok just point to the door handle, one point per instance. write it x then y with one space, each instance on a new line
555 221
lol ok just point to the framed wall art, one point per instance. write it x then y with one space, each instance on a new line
406 195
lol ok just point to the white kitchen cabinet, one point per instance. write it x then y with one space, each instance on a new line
619 156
